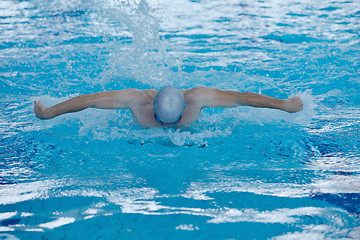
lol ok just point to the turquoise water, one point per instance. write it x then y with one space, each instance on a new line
238 173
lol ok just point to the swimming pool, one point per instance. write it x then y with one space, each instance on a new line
239 173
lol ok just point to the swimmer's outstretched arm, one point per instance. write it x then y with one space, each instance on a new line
211 97
105 100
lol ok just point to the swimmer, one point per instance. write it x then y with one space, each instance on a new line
168 107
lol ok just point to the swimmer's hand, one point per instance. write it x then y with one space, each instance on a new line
41 111
293 104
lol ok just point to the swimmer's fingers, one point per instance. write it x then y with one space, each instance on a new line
36 104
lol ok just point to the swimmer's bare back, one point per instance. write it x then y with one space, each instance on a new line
140 103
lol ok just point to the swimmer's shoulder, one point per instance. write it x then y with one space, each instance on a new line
146 96
150 91
138 93
197 90
197 93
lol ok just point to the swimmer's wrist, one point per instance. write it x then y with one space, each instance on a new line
280 104
44 115
50 113
284 105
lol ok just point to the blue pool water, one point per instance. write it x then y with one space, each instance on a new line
238 173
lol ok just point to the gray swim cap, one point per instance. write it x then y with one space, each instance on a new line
169 105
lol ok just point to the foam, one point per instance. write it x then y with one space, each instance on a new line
57 223
6 215
187 227
335 184
283 216
10 194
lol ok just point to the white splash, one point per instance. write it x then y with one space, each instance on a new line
7 215
276 216
187 227
58 222
26 191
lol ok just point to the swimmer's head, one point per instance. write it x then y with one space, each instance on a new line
169 105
